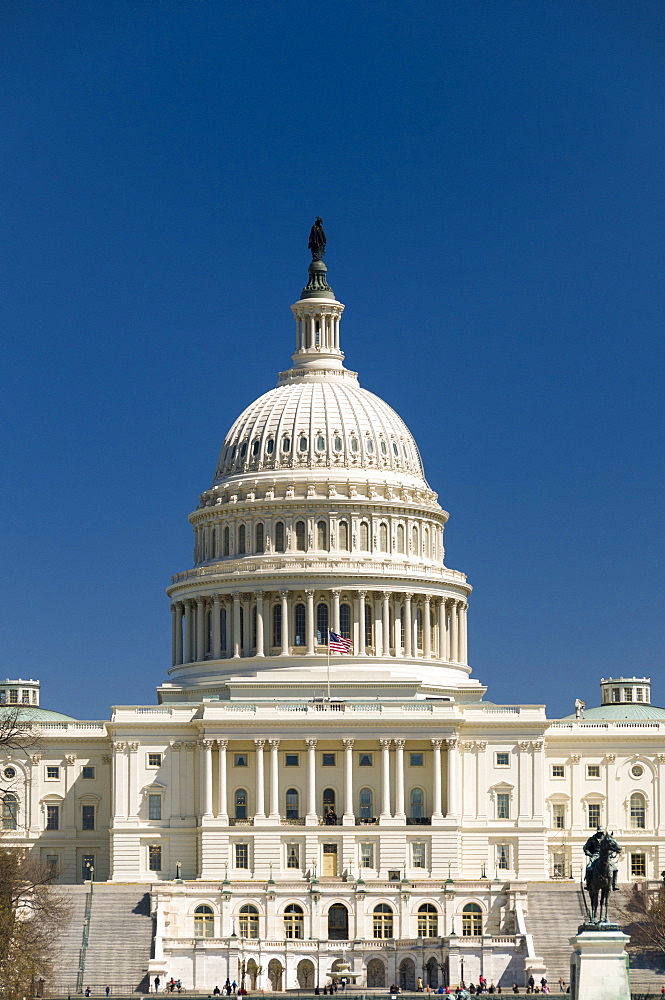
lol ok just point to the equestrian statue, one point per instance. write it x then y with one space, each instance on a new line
601 872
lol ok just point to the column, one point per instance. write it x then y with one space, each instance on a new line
385 779
481 779
453 771
178 632
188 631
223 803
361 623
309 622
539 764
427 629
349 817
311 817
236 625
118 791
437 812
200 628
260 780
205 756
132 781
408 628
335 611
525 779
385 615
246 627
216 630
454 646
397 625
228 630
400 812
284 596
174 634
462 634
441 604
176 810
274 780
259 624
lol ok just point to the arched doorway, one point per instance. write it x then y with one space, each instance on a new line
376 974
338 923
432 973
305 974
252 973
407 974
275 972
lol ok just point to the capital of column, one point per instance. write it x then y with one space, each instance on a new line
400 744
437 744
274 744
259 744
309 594
176 745
222 744
348 744
335 593
311 744
451 742
385 744
284 593
207 744
132 747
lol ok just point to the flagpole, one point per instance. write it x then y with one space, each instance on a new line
328 671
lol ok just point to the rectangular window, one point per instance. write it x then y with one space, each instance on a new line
627 694
87 817
154 760
292 759
52 817
155 858
418 855
558 771
52 773
13 696
365 759
593 815
292 856
639 694
367 855
87 772
240 760
638 865
416 759
503 805
242 855
328 759
616 694
154 806
25 697
52 865
503 857
593 770
559 816
501 759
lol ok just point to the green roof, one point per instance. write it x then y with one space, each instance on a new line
31 713
636 711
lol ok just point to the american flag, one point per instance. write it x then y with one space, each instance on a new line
338 644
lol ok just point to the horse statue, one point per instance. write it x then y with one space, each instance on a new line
601 874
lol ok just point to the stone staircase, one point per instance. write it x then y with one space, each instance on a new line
70 940
555 913
119 940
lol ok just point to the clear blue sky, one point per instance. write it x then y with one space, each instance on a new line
490 175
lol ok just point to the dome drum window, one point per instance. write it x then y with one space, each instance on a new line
302 443
320 443
270 446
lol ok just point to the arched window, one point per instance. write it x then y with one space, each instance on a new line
255 447
428 921
9 811
270 445
428 554
322 624
345 620
260 538
292 803
416 802
286 445
248 921
383 537
204 922
227 541
419 628
343 536
414 541
241 540
279 536
299 625
294 922
300 536
364 536
302 443
241 804
638 811
322 536
328 800
368 625
366 803
400 538
382 920
277 625
338 923
472 920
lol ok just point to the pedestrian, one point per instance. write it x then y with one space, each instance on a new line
419 987
234 987
108 991
216 992
157 982
88 991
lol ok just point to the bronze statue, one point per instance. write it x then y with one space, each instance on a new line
317 240
601 872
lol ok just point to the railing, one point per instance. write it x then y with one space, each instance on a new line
325 821
418 820
84 944
383 567
234 821
292 821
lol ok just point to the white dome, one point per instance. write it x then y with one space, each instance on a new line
323 421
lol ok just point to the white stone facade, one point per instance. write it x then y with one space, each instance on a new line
368 807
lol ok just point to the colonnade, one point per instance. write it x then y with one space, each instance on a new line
286 623
270 808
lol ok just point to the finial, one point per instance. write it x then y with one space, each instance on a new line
317 287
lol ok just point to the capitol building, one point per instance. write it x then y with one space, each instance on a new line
295 811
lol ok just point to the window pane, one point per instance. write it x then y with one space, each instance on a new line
593 810
52 817
503 805
242 857
154 807
322 624
345 620
367 855
87 817
299 625
155 859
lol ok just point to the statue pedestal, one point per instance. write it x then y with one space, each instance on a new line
599 963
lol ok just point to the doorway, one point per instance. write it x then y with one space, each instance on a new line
338 923
330 859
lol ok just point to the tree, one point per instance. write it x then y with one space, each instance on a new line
642 911
31 910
